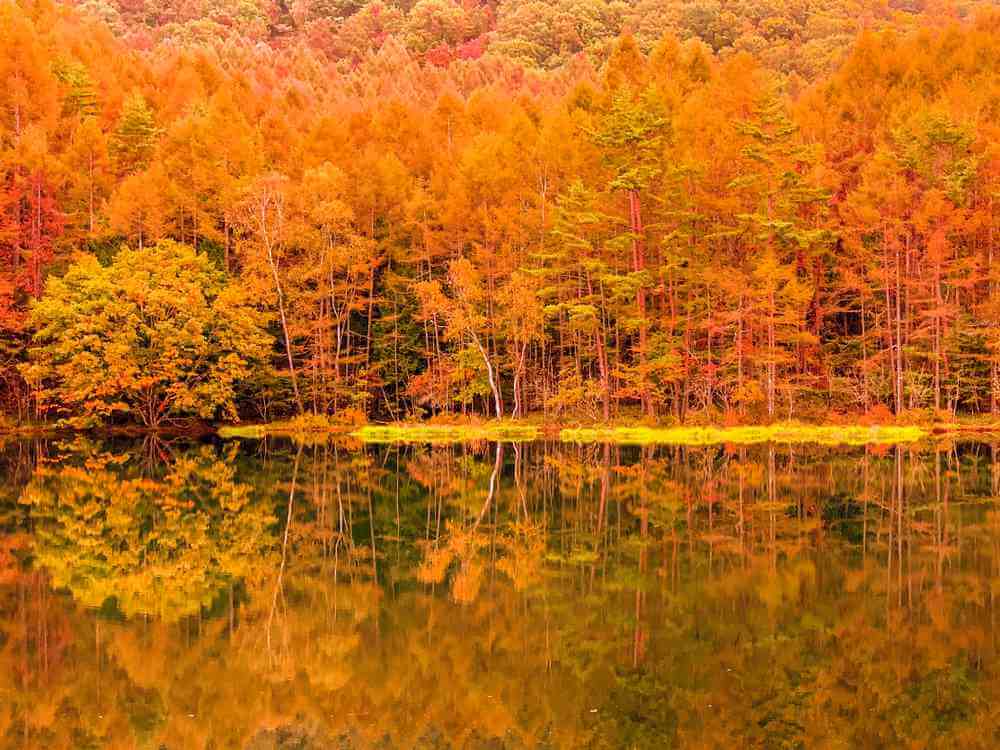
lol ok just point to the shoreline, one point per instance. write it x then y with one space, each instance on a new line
504 431
526 431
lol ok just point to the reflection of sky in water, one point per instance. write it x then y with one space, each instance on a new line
539 595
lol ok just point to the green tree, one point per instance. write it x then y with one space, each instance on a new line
156 335
466 312
631 137
135 137
785 223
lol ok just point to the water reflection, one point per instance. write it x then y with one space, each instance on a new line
158 594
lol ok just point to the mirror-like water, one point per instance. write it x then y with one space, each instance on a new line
266 595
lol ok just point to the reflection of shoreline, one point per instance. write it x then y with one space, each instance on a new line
515 432
592 596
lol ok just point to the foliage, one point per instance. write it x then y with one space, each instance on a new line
683 211
158 334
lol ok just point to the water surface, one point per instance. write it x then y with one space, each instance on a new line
169 594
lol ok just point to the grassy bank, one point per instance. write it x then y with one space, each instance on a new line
447 433
307 426
416 432
319 428
777 433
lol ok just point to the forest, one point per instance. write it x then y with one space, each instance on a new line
672 211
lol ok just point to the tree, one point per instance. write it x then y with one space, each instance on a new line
333 282
522 320
90 175
785 202
134 139
31 203
631 136
138 208
465 313
578 290
157 335
263 215
433 22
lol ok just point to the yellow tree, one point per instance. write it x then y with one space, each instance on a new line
262 214
465 315
157 335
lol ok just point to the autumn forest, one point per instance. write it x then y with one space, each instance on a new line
563 374
719 211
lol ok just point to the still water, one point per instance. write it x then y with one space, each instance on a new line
171 594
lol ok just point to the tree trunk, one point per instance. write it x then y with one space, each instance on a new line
492 377
284 326
517 380
770 356
937 336
639 264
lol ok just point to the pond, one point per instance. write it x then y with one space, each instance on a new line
267 594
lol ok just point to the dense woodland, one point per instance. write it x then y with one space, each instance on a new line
660 209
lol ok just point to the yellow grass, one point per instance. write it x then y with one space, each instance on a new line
308 425
447 433
778 433
313 428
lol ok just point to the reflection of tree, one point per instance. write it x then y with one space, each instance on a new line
514 545
166 545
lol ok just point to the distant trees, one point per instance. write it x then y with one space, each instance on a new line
806 37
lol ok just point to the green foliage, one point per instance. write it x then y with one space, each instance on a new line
935 149
397 339
632 135
80 97
158 334
133 142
